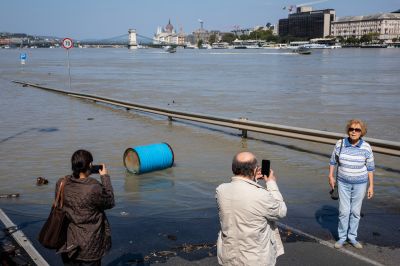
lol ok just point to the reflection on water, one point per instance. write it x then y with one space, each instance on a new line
39 131
146 182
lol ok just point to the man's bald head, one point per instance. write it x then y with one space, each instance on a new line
244 164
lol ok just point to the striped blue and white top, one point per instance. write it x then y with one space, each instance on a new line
354 161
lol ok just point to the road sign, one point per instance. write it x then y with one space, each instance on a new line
22 56
67 43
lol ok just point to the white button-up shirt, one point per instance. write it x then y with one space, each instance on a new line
248 212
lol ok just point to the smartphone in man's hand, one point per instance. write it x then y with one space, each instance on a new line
265 167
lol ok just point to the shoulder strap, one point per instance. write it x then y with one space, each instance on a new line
340 151
338 162
59 200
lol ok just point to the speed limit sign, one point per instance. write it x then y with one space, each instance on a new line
67 43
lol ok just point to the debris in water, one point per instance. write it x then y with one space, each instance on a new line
15 195
172 237
41 181
90 118
124 213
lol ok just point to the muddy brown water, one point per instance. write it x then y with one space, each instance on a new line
40 131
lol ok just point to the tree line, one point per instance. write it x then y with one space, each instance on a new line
268 36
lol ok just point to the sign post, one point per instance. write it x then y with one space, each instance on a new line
22 57
67 43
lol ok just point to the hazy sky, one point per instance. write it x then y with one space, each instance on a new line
82 19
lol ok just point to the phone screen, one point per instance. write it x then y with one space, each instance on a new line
265 167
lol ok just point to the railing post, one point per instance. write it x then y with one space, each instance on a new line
170 118
244 131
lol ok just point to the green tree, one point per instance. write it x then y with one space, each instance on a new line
340 39
212 38
228 37
366 38
199 43
374 35
352 40
260 34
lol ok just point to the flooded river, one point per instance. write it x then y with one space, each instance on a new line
40 131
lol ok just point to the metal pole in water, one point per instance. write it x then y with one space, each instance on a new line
69 70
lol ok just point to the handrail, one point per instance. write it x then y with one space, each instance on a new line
378 145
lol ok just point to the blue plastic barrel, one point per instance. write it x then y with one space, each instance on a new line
147 158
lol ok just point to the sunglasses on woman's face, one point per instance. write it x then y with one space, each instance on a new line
351 129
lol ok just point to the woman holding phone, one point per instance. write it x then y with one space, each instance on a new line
85 199
355 171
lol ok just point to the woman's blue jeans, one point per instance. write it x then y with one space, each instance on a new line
350 202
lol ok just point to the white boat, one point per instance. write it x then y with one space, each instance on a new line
205 46
274 46
220 45
302 50
316 46
321 46
170 49
295 45
190 46
246 44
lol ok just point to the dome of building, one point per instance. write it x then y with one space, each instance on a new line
169 27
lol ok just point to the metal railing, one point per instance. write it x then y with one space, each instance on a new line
378 145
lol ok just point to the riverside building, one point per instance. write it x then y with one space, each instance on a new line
167 35
307 24
386 25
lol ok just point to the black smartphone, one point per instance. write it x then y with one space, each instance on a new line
96 168
265 167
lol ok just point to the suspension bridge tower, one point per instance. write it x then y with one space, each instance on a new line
132 44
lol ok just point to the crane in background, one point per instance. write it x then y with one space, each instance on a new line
292 8
201 23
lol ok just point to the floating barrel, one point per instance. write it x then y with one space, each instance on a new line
147 158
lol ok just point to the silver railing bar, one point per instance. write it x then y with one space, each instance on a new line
22 240
378 145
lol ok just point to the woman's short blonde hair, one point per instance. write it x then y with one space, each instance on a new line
362 124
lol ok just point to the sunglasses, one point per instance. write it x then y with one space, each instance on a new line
351 129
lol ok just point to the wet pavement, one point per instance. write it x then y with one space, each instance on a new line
300 249
10 252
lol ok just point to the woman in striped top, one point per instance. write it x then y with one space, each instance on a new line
355 170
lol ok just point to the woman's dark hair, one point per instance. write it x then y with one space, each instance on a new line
80 162
244 168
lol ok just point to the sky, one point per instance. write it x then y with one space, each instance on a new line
102 19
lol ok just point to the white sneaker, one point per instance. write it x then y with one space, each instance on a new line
339 244
356 245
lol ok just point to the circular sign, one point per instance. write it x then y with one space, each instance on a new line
67 43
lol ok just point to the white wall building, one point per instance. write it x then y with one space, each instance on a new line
387 25
168 35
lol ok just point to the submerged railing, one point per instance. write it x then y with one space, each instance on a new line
378 145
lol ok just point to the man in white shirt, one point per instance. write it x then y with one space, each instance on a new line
248 211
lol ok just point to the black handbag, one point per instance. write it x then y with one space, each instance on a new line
334 192
54 232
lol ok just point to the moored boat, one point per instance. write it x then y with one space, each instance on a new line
170 49
302 50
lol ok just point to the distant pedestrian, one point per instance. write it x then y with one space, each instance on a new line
355 170
85 199
248 211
